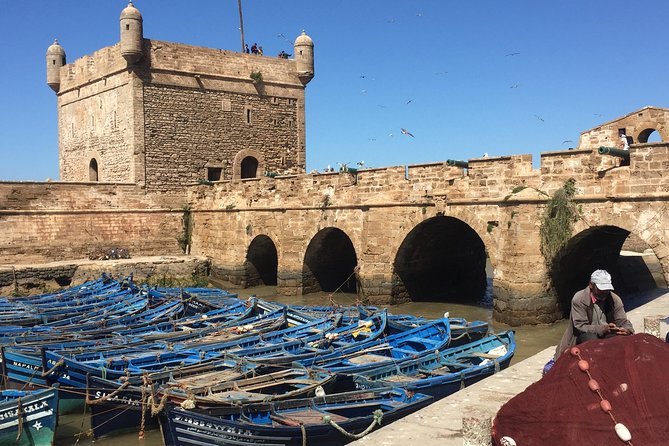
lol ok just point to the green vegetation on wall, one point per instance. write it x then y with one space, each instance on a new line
557 224
184 238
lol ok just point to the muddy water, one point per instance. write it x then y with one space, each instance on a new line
530 340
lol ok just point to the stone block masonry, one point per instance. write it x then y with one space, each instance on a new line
43 222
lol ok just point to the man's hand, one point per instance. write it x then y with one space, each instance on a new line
614 329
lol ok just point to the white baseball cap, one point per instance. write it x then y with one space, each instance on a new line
602 279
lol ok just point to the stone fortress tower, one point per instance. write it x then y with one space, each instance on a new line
163 115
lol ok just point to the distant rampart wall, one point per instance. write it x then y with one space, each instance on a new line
43 222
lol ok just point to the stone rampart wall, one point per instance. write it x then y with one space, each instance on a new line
42 222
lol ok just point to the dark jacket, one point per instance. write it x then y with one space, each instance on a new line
580 318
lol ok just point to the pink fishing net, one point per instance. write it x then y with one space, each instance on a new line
632 373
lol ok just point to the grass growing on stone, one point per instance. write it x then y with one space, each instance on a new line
170 281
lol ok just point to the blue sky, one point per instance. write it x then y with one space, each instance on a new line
446 71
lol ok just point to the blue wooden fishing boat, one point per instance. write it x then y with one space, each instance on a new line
422 340
462 330
285 353
443 373
317 420
222 386
28 418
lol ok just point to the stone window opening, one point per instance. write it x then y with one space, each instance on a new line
248 115
649 135
249 167
214 173
127 27
93 170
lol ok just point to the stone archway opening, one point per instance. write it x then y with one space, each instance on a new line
249 167
442 259
261 263
93 170
631 262
649 135
329 263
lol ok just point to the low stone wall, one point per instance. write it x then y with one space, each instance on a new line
33 279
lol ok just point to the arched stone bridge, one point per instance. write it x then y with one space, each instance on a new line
425 232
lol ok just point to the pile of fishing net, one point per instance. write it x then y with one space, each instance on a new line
596 394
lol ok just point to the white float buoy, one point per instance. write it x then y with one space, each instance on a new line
507 441
622 432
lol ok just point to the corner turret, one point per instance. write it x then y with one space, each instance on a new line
304 57
131 34
55 58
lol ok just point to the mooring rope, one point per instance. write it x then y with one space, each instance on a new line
19 418
60 362
377 414
106 397
304 434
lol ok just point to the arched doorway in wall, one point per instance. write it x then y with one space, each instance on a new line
249 167
442 259
329 263
261 263
649 135
632 264
93 170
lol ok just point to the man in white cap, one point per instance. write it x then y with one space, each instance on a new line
596 312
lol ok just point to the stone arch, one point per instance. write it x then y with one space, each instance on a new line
646 135
261 264
644 130
93 174
329 262
441 259
247 154
603 247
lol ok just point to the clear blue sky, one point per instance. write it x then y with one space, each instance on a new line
444 70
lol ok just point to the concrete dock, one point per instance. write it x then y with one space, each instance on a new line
441 423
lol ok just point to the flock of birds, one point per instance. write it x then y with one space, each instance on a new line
404 131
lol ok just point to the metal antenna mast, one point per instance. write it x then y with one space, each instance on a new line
241 24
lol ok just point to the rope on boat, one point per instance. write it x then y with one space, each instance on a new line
60 362
304 434
378 416
144 404
19 418
157 408
106 397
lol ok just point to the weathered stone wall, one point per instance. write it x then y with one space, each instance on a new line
501 199
96 119
637 125
190 130
42 222
30 279
180 110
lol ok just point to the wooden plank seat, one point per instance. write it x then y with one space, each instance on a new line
306 416
368 358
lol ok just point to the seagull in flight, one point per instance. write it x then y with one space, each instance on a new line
409 101
284 38
539 118
512 54
406 132
515 86
567 141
